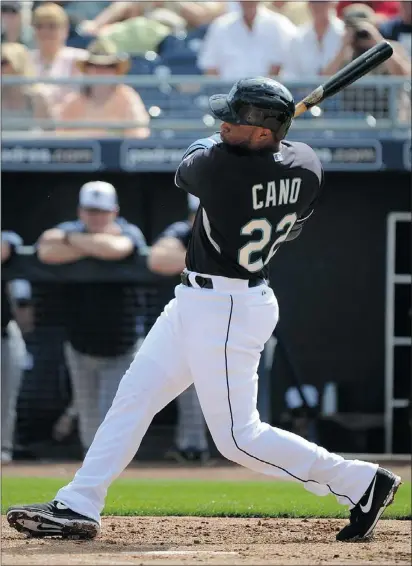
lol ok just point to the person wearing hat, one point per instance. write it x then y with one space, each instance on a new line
100 318
27 103
105 102
383 8
167 257
15 22
399 28
52 57
362 33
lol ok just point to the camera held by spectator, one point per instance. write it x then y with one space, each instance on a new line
362 33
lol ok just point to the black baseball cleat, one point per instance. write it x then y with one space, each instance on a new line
52 519
365 515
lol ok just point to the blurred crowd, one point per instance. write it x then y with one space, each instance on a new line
230 40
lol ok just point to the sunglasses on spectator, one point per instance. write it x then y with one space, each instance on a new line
49 25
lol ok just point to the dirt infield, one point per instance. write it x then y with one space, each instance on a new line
184 540
196 540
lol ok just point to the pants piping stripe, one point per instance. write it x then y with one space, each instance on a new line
232 423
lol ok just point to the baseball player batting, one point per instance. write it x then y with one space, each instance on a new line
256 192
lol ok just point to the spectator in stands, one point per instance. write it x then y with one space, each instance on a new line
25 103
13 353
251 42
399 28
167 257
194 14
297 12
14 25
100 318
360 35
316 43
106 103
53 58
383 9
78 11
138 35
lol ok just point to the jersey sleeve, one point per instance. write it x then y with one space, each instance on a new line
12 239
179 230
318 182
134 234
195 166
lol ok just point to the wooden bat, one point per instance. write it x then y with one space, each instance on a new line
346 76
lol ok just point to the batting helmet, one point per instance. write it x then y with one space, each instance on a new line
256 102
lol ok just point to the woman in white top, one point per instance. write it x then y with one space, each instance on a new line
22 106
53 58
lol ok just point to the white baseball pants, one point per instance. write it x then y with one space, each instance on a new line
212 338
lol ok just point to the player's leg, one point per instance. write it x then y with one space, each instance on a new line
84 380
12 353
191 433
223 356
265 378
157 375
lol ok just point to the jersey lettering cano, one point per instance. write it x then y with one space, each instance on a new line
250 203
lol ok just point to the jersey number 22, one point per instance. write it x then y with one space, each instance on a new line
265 227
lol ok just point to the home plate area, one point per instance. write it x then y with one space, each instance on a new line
197 540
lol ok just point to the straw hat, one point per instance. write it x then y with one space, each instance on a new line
18 58
103 51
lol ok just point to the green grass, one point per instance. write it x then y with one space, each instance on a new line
201 498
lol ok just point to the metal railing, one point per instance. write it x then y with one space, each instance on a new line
180 103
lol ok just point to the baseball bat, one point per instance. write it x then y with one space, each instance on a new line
346 76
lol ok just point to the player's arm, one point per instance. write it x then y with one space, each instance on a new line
9 242
5 251
54 248
195 165
108 247
119 242
167 256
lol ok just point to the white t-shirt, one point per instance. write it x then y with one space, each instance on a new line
63 66
239 52
306 56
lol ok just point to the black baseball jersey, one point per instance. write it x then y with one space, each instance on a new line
250 203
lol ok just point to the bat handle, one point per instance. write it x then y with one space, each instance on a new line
309 101
300 108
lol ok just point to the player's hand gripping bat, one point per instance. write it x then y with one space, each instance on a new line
346 76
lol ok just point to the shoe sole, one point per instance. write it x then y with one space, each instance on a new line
388 501
47 526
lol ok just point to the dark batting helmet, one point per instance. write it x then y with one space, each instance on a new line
259 102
